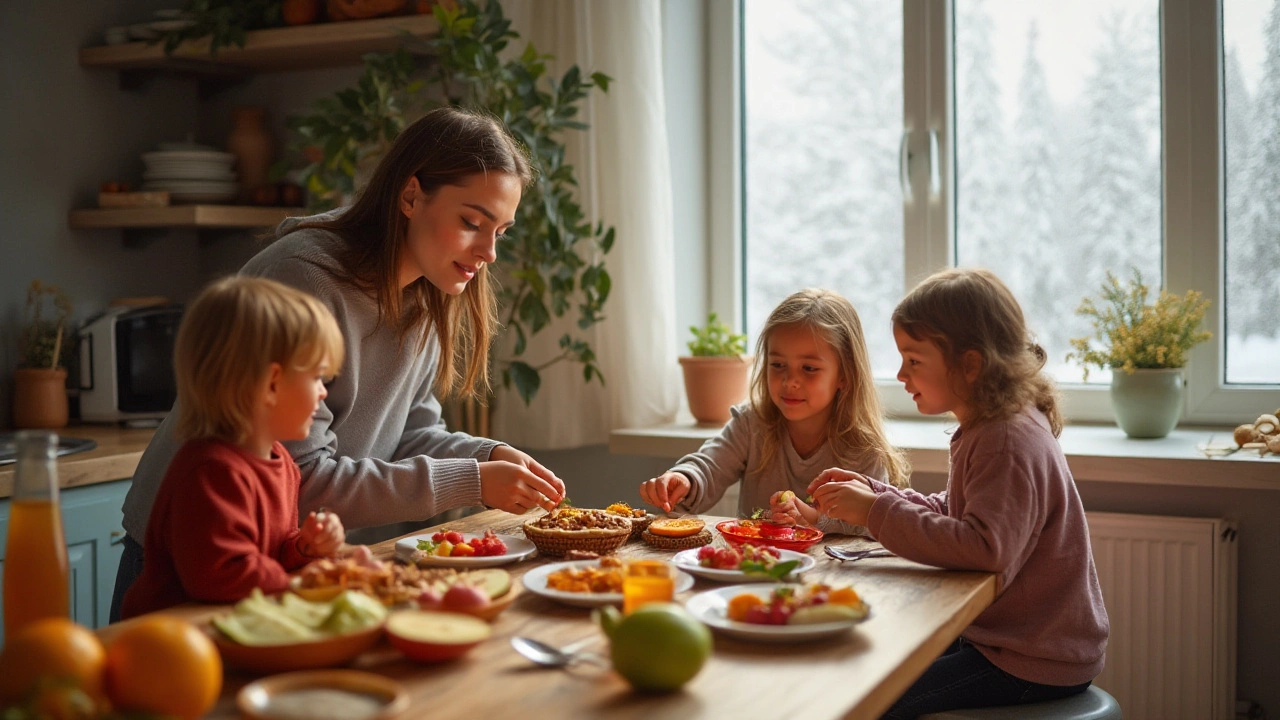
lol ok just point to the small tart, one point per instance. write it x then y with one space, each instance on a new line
663 542
676 527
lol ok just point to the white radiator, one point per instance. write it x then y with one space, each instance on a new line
1169 584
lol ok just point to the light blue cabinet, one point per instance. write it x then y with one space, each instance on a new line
91 520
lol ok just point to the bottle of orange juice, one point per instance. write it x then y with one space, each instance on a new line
646 581
35 563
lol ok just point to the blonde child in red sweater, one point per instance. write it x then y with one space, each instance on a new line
1010 506
250 360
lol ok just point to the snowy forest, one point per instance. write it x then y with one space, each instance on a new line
1053 187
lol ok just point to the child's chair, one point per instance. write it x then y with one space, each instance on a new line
1092 704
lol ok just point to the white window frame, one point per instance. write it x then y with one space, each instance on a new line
1192 166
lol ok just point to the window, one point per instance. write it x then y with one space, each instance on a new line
1051 142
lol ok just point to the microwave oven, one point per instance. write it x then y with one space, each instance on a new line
126 364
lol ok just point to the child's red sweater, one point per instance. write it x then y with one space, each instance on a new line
224 522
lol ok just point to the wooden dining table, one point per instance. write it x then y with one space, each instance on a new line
916 611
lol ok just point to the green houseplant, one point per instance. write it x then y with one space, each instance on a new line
716 371
1145 345
40 381
553 256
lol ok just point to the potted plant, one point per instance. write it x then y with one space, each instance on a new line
716 372
1145 346
553 258
40 381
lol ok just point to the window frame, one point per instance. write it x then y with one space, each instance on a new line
1193 249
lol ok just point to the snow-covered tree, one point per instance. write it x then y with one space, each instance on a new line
982 210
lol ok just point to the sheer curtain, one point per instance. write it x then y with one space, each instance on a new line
624 175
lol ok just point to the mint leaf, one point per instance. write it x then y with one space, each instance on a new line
782 569
427 546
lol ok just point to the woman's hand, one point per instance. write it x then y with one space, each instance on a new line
836 475
321 534
786 508
849 501
666 490
515 482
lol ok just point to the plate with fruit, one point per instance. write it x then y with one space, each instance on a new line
451 548
779 613
744 564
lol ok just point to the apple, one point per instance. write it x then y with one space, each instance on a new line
428 636
465 597
496 582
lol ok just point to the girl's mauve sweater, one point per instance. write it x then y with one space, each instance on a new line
1010 508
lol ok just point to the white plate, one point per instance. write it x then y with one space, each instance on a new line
518 548
687 560
711 607
535 581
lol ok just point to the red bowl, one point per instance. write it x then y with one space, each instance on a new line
749 532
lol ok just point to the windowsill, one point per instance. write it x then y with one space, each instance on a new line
1100 453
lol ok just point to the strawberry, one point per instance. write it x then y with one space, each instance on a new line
454 537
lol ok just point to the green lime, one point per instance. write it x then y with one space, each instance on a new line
659 647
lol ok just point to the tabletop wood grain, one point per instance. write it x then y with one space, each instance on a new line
916 611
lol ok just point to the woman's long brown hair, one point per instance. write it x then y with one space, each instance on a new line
446 146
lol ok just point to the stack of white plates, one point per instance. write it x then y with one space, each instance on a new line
191 176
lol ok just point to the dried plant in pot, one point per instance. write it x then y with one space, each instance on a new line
716 372
40 381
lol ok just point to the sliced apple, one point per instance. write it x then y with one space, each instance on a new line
494 581
428 636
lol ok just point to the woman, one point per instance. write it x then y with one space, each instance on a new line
405 271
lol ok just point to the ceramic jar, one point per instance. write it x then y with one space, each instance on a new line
1147 403
40 398
715 384
253 148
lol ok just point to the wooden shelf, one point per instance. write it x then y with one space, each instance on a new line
181 216
302 47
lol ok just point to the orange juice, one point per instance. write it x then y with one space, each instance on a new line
646 581
35 565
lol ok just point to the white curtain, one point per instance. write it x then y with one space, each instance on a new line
624 174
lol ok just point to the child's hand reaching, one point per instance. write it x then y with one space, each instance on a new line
835 475
847 500
786 508
322 534
666 490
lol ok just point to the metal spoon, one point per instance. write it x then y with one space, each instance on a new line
549 656
842 554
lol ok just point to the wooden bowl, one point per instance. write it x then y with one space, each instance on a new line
255 699
267 659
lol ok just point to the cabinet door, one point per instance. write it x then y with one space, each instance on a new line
91 519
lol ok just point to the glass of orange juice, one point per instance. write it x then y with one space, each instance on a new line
646 581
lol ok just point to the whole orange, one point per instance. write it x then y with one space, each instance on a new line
163 665
54 648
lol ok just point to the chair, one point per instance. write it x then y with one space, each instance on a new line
1092 704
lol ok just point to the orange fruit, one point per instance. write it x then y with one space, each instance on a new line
163 665
52 648
676 527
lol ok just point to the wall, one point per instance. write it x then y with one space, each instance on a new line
64 130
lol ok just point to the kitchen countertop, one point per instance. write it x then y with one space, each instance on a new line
116 457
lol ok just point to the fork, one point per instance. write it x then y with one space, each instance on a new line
841 554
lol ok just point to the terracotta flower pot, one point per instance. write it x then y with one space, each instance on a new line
715 384
40 398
